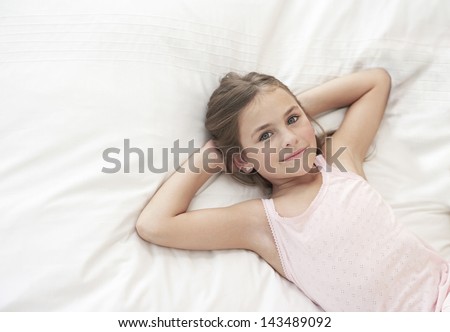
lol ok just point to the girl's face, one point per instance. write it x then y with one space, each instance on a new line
277 138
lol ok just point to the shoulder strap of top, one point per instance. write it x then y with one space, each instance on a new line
277 234
269 208
320 161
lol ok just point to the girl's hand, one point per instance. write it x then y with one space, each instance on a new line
212 159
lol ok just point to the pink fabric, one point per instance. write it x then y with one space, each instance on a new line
346 252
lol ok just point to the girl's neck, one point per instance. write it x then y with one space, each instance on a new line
293 184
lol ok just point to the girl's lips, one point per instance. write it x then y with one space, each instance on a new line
295 154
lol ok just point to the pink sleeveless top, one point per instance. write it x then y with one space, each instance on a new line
346 252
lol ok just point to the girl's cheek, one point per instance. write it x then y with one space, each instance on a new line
264 162
311 134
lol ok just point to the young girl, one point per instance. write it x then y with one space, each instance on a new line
323 227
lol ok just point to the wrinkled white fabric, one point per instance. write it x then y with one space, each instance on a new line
80 77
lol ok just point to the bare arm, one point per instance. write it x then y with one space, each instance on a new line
366 93
165 221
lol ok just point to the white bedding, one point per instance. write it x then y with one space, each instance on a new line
79 77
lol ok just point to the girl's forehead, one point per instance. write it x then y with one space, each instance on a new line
267 105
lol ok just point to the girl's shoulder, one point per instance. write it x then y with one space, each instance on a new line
260 239
252 214
254 209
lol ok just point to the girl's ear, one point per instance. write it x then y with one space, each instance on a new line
242 165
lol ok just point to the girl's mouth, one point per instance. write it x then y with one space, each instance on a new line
295 154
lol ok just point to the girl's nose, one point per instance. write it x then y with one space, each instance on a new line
289 138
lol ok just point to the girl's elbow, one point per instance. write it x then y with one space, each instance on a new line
148 231
383 77
142 230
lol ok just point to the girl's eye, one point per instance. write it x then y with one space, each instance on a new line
265 136
292 119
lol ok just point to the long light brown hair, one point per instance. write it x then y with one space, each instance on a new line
234 93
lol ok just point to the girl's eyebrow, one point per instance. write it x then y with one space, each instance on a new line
264 126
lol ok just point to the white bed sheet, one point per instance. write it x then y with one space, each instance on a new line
77 78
